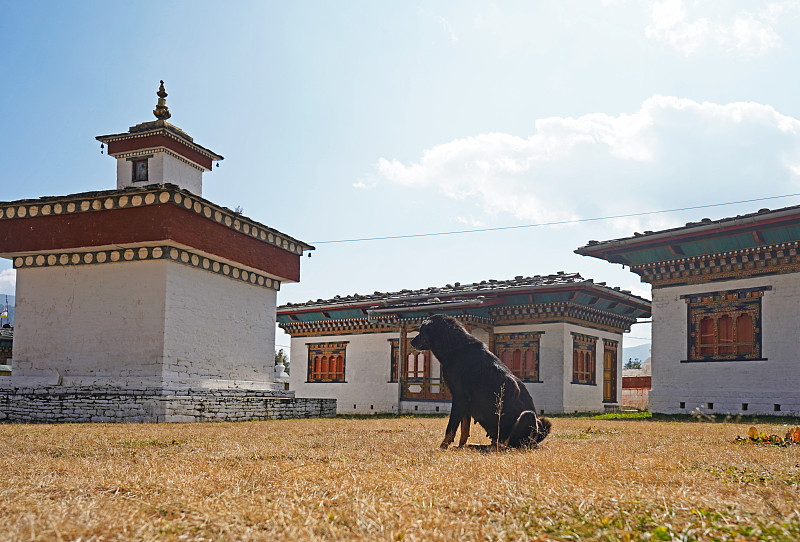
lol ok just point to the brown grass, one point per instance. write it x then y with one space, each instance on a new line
385 479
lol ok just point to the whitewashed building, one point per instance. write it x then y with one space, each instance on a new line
726 311
561 334
146 302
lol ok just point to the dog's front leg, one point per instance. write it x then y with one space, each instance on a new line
465 421
457 413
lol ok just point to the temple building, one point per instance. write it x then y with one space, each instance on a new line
726 311
561 334
116 290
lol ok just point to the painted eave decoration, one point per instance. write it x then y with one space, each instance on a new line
752 231
558 297
132 217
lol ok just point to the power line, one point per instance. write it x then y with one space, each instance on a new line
555 223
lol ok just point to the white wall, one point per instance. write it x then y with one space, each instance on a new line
583 397
367 367
760 384
90 324
218 332
162 168
141 323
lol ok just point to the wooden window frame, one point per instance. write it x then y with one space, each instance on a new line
320 356
584 359
394 359
714 325
507 345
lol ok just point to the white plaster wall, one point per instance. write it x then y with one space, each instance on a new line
174 171
162 168
219 332
82 325
366 389
760 384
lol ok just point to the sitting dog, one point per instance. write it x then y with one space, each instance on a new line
481 386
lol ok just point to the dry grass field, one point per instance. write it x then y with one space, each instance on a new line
384 479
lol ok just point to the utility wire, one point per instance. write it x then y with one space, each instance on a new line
555 223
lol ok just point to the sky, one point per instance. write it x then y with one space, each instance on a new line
348 120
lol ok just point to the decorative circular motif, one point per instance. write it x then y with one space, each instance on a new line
215 266
271 238
226 269
2 212
263 235
206 263
51 259
252 278
71 207
45 211
123 201
207 212
246 228
115 256
18 262
157 252
235 273
85 205
237 225
39 259
142 253
63 259
108 203
149 199
269 283
245 276
197 207
173 253
292 247
178 198
128 255
57 208
261 281
101 257
96 205
195 259
184 257
187 203
29 260
217 216
228 221
76 259
163 197
33 210
88 257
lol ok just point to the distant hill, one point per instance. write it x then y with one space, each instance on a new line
10 319
642 352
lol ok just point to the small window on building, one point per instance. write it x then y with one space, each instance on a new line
725 326
520 353
326 362
583 358
140 170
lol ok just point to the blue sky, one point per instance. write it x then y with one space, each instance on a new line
356 119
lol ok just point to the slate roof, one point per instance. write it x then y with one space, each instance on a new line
431 295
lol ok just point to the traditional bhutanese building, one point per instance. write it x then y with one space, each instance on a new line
726 311
561 334
146 302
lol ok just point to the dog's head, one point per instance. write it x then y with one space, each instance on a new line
439 331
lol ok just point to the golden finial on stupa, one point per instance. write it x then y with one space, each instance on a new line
162 111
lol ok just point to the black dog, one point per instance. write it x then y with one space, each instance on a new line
481 385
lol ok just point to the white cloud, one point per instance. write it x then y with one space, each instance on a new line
8 281
670 153
747 33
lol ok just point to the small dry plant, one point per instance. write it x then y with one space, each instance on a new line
386 479
498 403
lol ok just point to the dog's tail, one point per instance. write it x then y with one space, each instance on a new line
543 426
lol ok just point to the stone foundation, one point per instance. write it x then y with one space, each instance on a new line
58 404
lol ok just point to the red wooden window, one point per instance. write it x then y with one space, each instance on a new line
583 359
520 353
725 325
326 362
